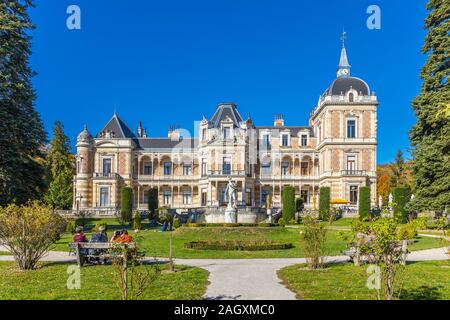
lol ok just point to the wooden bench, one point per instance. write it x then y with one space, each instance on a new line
83 250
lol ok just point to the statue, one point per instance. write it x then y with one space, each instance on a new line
380 201
231 192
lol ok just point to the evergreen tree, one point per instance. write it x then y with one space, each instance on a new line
22 135
398 169
430 135
61 169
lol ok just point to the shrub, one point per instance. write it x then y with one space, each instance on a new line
324 202
28 232
137 223
71 226
364 203
100 224
407 231
229 225
153 203
288 203
126 211
176 223
239 245
401 196
299 205
314 241
281 222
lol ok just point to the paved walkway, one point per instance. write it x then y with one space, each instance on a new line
248 279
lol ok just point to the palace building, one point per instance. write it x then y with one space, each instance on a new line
336 149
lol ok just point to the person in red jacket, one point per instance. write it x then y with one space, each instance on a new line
79 236
125 237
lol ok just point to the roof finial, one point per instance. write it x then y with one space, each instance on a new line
343 38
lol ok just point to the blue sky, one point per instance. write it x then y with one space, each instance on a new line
169 62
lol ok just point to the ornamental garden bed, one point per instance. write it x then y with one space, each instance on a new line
237 245
229 225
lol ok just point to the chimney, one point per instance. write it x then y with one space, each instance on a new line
279 121
144 135
139 130
174 133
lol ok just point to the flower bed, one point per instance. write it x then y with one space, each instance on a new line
237 245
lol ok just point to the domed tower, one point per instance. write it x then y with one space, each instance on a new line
84 170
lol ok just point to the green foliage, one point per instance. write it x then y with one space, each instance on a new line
61 169
28 231
324 202
288 203
100 224
314 242
429 136
22 172
137 223
364 203
238 245
401 197
299 205
407 231
70 227
176 223
153 202
281 222
126 211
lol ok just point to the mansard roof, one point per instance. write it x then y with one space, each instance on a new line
343 85
166 143
224 111
117 128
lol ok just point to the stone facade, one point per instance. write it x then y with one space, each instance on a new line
336 149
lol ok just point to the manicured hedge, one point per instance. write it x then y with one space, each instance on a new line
324 202
229 225
401 197
288 203
299 205
364 203
127 204
236 245
153 202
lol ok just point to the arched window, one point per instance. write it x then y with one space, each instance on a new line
351 97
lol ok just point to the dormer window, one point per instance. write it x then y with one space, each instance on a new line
351 97
304 140
226 133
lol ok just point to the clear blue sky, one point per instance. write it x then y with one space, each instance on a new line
169 62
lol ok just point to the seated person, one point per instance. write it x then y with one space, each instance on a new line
79 236
100 235
125 237
116 236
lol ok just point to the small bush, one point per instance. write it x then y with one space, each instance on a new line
324 202
126 211
364 203
401 196
176 223
299 205
281 222
407 231
71 226
314 242
137 222
100 224
238 245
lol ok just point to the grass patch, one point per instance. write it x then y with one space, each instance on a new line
422 281
156 243
97 283
4 253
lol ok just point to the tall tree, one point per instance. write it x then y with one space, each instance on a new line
22 135
430 135
61 169
398 169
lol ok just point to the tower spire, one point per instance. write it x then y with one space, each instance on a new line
344 66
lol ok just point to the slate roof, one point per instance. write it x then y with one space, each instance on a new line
166 143
118 127
226 110
342 85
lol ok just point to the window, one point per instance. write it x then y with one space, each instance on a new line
79 166
226 165
106 167
264 195
148 168
304 168
351 128
354 194
284 168
204 197
145 196
351 163
351 97
223 196
204 134
266 140
304 195
187 197
167 168
304 139
167 197
104 197
187 170
284 140
266 169
226 133
203 167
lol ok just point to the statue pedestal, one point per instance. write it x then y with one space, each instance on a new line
269 215
231 215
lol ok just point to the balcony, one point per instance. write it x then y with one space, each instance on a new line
353 173
106 175
225 173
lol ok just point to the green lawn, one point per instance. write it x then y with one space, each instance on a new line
4 253
156 243
421 280
97 283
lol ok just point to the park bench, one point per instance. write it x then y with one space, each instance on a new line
86 251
